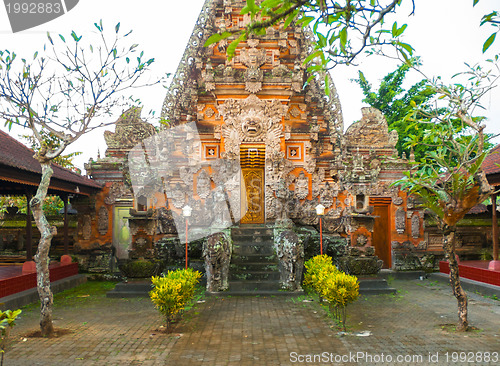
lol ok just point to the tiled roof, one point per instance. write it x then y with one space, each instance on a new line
478 209
490 162
16 155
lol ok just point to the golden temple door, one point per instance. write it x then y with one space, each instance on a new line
252 160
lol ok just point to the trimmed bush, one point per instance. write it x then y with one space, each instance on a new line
317 268
173 291
338 288
7 322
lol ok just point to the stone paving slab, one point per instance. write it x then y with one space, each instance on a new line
265 331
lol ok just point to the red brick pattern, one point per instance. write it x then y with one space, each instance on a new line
18 282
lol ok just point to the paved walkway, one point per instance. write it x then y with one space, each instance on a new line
265 331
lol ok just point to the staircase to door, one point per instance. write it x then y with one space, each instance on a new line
254 266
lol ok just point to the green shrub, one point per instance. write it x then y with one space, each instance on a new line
317 268
140 268
338 288
173 291
7 321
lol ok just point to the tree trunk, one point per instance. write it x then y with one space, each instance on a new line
42 255
458 292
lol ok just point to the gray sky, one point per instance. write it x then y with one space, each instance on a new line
444 33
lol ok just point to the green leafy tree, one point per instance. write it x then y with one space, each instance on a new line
450 181
344 29
51 206
53 142
395 103
66 90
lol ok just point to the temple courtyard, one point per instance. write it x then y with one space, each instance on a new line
412 327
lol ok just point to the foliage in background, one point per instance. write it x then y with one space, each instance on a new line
51 206
338 288
450 180
492 19
7 322
59 93
52 142
396 103
343 29
172 292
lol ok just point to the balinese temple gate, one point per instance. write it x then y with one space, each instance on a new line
246 142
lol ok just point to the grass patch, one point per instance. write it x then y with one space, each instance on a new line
84 293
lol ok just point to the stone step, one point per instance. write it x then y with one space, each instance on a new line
253 266
251 231
253 238
254 276
250 243
131 289
242 285
375 286
372 283
253 258
265 250
256 293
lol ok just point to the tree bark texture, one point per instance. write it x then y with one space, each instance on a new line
42 256
458 292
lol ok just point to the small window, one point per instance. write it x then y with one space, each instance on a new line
360 201
142 203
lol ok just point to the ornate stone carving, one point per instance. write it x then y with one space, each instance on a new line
251 120
283 195
415 226
290 252
217 255
220 204
327 194
87 227
253 57
361 240
166 223
178 196
103 221
203 184
116 191
129 130
400 220
302 186
372 130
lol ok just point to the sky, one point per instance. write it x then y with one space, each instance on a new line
444 33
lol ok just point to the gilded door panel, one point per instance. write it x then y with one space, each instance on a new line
253 189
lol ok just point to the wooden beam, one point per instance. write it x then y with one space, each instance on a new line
29 228
495 227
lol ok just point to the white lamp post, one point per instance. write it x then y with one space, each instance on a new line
320 211
186 212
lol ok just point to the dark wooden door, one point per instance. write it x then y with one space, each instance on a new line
381 239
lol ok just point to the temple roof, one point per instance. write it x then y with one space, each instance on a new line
181 100
17 165
491 163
